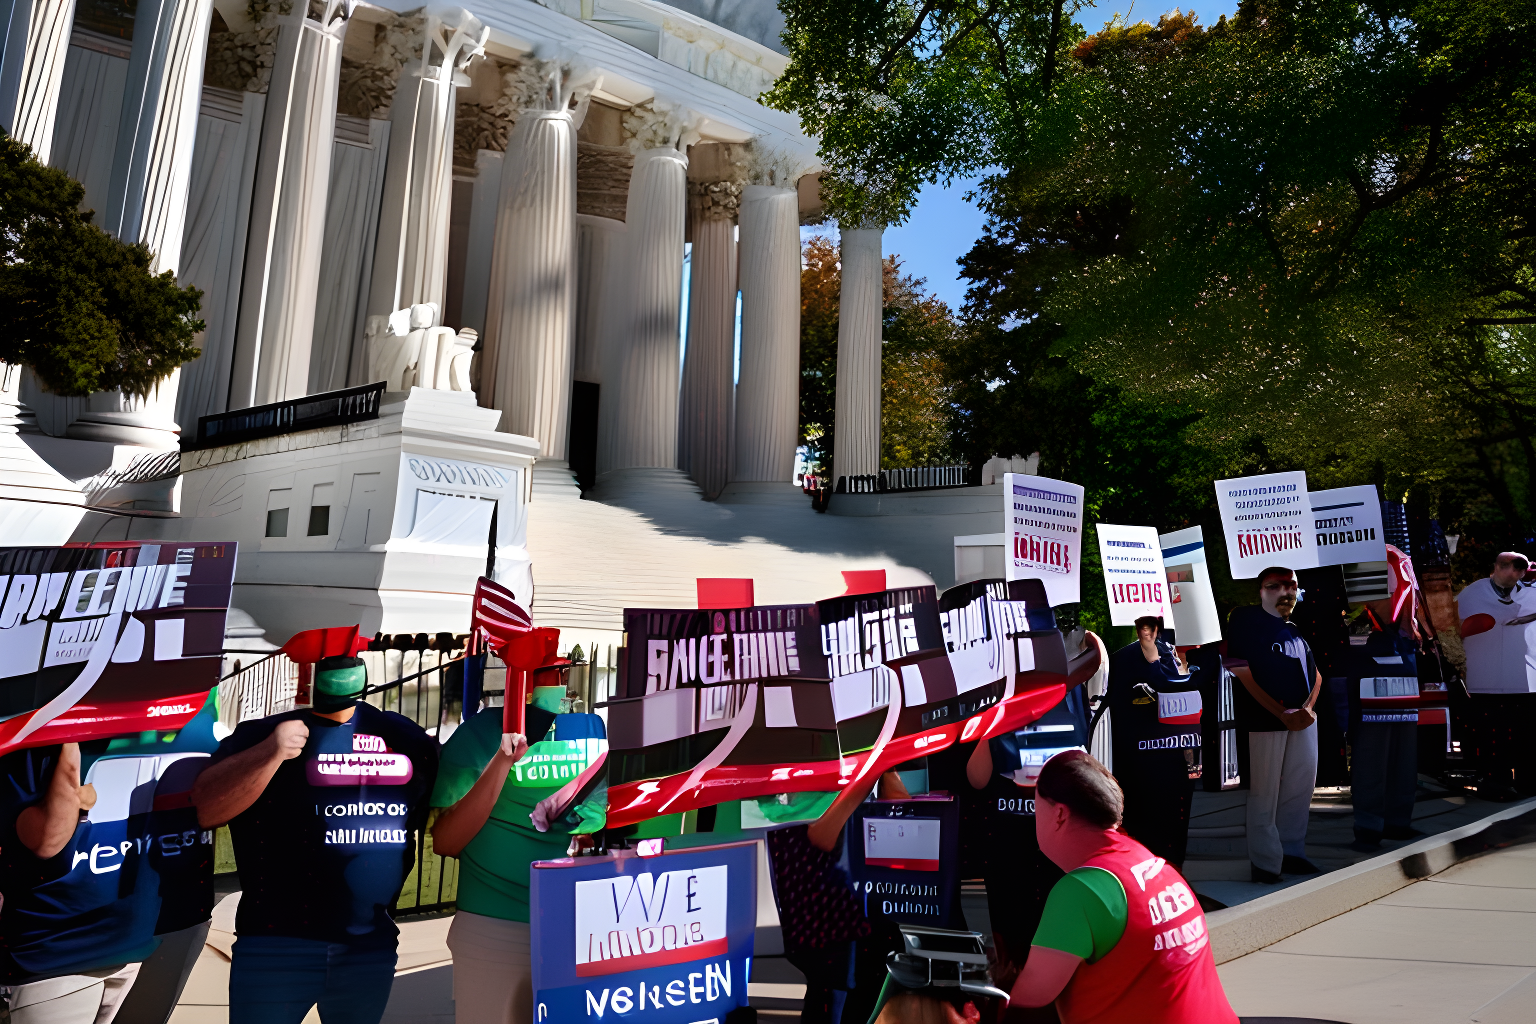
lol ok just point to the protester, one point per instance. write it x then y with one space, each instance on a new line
1280 687
486 825
1123 937
322 806
1156 714
1495 613
1382 676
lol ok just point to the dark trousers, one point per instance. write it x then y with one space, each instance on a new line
1502 728
275 980
1384 770
1157 813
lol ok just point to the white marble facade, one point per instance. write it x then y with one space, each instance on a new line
518 170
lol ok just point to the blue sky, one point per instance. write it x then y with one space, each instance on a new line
943 225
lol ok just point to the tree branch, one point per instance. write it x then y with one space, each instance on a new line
1049 71
895 51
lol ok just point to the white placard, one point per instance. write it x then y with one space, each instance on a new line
1134 577
1267 521
1044 524
646 920
1195 620
1347 524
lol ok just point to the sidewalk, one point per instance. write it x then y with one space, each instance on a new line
1456 948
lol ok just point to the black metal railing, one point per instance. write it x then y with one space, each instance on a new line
914 478
327 409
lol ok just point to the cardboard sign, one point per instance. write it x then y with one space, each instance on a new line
1134 576
1195 620
1267 521
904 859
98 642
1347 524
665 939
1044 526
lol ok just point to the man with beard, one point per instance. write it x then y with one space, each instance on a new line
1280 687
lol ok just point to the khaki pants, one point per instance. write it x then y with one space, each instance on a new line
72 999
492 970
1282 769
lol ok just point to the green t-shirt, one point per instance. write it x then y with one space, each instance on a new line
1085 914
493 868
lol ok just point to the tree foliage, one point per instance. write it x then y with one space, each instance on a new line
84 310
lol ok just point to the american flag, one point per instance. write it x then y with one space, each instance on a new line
497 613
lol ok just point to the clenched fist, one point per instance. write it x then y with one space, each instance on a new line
289 738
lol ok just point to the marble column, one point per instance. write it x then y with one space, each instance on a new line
706 404
410 264
856 443
599 247
287 232
31 67
530 315
147 197
637 416
768 394
38 506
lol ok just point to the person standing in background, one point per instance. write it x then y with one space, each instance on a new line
1280 686
1498 631
1381 672
1156 713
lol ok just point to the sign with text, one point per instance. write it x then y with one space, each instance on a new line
1346 522
1134 576
660 940
1044 526
1195 620
904 859
1267 521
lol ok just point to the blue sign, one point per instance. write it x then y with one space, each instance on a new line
657 940
904 859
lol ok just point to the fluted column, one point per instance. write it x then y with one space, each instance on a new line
31 66
530 315
147 197
706 406
637 415
410 263
283 247
768 393
856 442
599 247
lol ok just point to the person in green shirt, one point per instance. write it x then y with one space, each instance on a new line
485 824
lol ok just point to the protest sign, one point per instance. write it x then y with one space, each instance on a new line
904 860
1347 524
656 940
1044 526
1267 521
1134 578
1195 620
101 641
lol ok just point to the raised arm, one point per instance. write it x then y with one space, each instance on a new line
225 789
824 830
46 828
457 825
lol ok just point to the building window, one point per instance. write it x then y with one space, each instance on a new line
277 522
319 520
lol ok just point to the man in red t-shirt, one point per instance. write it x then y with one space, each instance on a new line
1122 939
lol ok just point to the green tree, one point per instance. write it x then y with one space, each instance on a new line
85 312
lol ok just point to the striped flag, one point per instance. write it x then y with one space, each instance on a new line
497 612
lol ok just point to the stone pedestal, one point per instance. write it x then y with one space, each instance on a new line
530 312
31 66
856 445
410 263
638 411
283 247
706 407
768 393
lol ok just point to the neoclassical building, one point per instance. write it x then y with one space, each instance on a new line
437 247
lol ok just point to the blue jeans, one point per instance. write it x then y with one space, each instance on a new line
275 980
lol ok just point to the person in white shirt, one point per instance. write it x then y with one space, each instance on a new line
1498 631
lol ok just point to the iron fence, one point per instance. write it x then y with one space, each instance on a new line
914 478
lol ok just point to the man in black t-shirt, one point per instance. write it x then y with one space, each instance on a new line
1280 686
322 806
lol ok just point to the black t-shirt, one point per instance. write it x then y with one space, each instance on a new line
1280 660
324 850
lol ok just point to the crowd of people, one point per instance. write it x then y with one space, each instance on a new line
1089 911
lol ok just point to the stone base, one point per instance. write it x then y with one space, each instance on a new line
125 428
